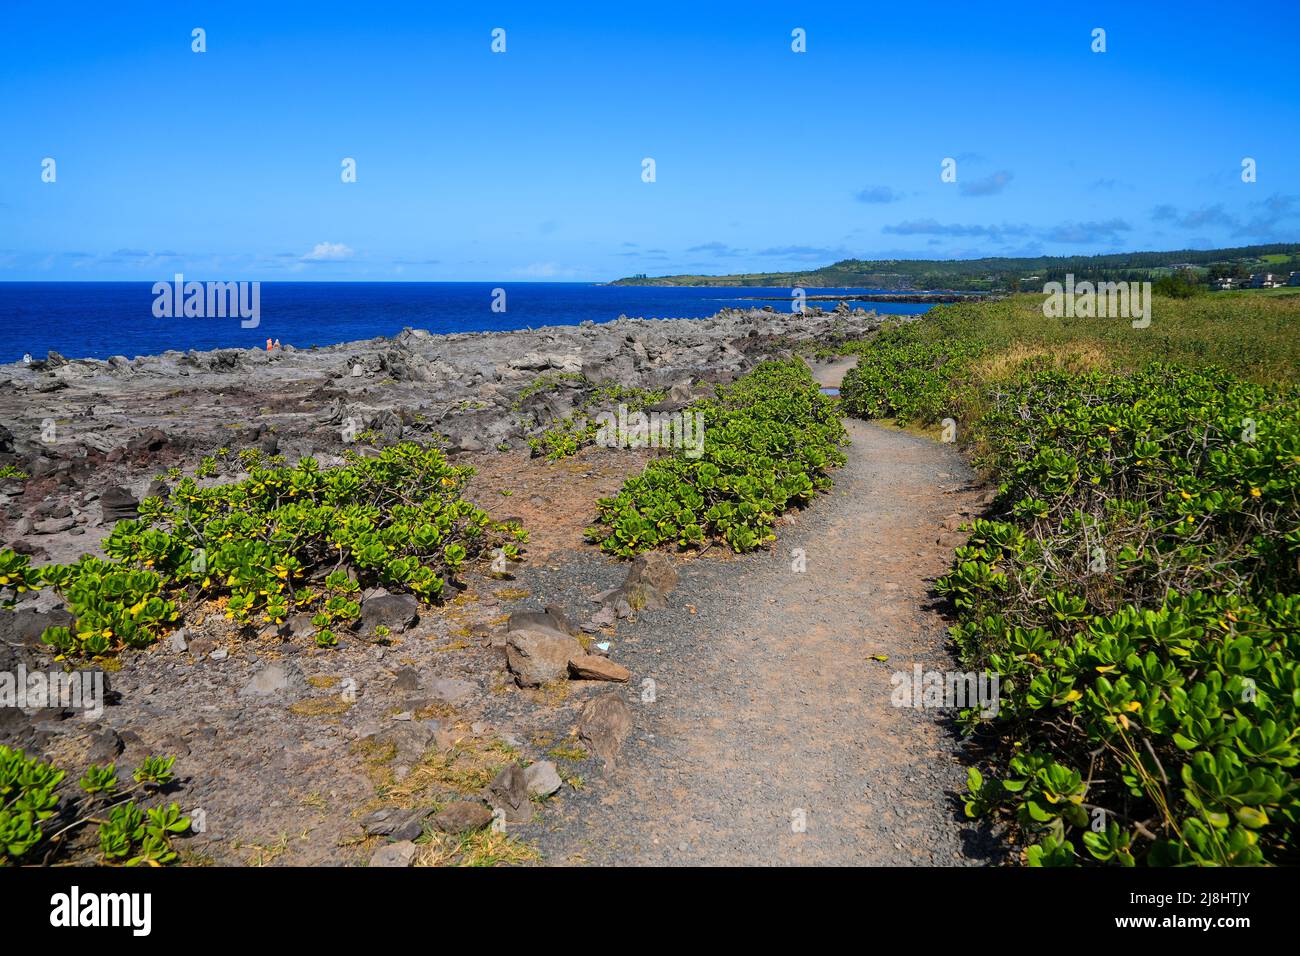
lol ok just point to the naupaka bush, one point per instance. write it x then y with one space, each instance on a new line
770 440
283 540
1138 598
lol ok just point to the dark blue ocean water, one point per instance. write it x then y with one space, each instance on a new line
99 319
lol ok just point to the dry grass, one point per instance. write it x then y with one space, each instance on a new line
375 758
463 769
456 645
483 848
321 707
569 751
550 694
1078 358
264 854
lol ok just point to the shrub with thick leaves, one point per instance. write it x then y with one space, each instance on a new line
283 540
563 437
770 440
1139 603
1141 608
903 377
128 833
28 798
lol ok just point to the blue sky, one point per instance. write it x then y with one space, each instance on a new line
527 165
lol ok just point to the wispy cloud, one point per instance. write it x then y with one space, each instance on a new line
1214 215
932 227
546 270
1262 219
719 249
1085 233
877 194
989 185
1078 233
810 253
329 252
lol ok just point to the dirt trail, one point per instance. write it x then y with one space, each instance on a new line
770 707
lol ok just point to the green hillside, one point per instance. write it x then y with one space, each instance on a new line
1001 274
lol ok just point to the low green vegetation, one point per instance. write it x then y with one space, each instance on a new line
285 539
770 440
1137 593
129 833
564 437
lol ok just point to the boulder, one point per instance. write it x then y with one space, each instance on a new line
118 504
538 657
595 667
397 824
54 525
30 624
552 620
603 725
396 612
649 581
509 794
151 440
462 816
542 778
406 680
278 679
394 854
450 690
539 645
605 617
412 738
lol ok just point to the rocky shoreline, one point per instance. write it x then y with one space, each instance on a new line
79 428
271 731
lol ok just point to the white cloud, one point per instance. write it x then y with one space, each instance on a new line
329 252
542 270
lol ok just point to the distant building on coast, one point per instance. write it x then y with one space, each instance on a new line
1294 279
1265 280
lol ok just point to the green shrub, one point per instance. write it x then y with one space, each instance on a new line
564 437
1139 600
129 834
770 440
17 576
283 540
903 377
27 799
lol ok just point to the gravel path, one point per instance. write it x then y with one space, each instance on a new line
769 708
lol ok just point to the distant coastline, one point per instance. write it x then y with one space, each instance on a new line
1004 274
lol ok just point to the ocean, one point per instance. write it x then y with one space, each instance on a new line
101 319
